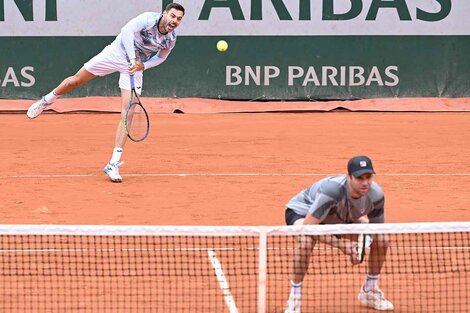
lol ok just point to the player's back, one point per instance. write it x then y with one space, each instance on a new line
331 186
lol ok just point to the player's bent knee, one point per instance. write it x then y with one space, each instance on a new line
306 243
381 242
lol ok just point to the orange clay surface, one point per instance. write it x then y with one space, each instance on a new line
224 169
227 169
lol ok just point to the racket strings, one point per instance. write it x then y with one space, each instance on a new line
136 121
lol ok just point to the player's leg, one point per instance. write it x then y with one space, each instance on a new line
104 63
370 294
302 255
80 78
378 253
301 261
112 168
121 136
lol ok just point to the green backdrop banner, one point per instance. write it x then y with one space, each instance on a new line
278 49
262 67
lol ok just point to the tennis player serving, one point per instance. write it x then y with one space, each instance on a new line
351 198
144 42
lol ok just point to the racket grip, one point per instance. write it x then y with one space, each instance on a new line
132 82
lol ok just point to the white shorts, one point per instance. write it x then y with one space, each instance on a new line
107 62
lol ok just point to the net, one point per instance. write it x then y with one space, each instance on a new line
54 268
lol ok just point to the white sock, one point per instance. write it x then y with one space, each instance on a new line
371 282
117 152
51 97
295 289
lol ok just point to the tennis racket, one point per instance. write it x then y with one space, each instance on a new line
363 242
136 120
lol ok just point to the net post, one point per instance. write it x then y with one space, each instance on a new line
262 270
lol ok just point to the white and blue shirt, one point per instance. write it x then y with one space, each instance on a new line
140 39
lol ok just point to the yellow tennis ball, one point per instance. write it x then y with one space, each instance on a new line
222 45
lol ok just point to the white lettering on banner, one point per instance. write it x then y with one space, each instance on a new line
11 78
233 75
316 76
242 17
270 72
233 72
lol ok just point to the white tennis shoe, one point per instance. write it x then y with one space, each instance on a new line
112 170
36 108
294 304
375 299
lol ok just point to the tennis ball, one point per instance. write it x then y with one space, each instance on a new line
222 45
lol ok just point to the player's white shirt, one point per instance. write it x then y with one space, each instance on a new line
141 39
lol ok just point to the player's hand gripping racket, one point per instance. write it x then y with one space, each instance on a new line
136 119
363 242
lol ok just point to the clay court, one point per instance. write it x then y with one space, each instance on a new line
228 168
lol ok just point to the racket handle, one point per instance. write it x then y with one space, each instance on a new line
132 82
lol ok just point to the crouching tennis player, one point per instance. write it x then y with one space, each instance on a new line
345 199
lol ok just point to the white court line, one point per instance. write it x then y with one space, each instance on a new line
221 175
223 283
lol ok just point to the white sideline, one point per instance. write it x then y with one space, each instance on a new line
223 283
224 174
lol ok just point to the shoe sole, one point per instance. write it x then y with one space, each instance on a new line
113 180
377 309
31 117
